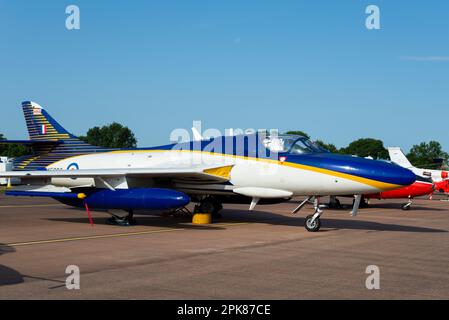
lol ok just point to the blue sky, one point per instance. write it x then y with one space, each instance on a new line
158 65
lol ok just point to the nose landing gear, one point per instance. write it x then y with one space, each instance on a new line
313 222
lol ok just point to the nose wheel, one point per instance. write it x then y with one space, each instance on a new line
311 224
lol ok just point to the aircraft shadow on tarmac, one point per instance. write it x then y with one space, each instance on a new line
398 207
382 205
146 221
354 223
8 276
241 216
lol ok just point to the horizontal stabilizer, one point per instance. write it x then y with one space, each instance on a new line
31 142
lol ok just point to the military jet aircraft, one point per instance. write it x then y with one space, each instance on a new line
254 168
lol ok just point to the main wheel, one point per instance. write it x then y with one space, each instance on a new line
406 206
312 226
335 204
210 205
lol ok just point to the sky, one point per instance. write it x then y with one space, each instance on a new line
155 66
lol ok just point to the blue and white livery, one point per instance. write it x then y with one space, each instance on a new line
252 168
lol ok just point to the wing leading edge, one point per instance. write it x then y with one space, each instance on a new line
218 174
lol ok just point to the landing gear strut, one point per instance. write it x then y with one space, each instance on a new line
313 222
408 205
125 221
210 205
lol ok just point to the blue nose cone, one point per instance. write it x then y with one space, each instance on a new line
401 176
388 172
380 171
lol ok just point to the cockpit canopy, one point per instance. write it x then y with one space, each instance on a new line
286 143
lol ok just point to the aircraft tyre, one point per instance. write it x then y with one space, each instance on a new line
210 205
312 226
406 206
334 204
126 221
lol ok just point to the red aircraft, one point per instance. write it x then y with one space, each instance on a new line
422 187
442 186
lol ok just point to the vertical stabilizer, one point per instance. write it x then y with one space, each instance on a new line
398 157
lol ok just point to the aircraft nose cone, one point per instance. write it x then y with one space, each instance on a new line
386 175
381 171
399 175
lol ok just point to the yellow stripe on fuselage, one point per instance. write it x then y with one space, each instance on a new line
374 183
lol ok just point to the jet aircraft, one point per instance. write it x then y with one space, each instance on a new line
398 157
252 168
421 187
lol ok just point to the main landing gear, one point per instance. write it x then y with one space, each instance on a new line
123 221
334 203
408 205
209 205
364 203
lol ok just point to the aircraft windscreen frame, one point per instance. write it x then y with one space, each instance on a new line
292 144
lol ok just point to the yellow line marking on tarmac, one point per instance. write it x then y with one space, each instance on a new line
114 235
32 206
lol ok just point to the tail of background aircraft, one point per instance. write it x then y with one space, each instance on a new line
49 141
397 156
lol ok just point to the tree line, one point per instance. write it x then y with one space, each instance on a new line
426 154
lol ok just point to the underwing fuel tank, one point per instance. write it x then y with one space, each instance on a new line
132 199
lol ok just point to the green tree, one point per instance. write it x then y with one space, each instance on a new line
423 155
366 147
2 146
328 146
299 133
13 150
113 135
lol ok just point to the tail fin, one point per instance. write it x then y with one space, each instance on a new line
49 140
41 126
398 157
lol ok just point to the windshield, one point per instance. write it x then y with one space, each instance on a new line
292 144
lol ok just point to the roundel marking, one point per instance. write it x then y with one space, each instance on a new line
73 166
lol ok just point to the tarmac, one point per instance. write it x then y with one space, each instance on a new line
265 254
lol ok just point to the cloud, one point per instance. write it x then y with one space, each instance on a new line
425 58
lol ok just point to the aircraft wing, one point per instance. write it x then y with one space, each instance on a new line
216 174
